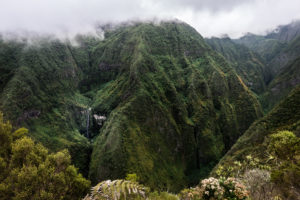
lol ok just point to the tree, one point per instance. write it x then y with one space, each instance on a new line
284 144
29 171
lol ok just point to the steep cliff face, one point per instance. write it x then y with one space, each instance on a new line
254 142
154 100
267 48
286 33
277 47
39 91
174 106
282 84
285 57
280 50
285 116
248 64
284 68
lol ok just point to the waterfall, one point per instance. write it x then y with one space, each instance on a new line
88 122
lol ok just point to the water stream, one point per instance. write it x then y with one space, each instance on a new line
88 123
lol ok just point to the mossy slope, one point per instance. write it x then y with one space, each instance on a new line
39 91
282 84
247 63
174 106
254 142
285 116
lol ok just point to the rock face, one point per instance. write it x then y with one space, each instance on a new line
164 105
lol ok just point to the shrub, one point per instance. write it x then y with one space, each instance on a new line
191 193
233 189
118 189
259 184
28 171
284 144
211 188
218 189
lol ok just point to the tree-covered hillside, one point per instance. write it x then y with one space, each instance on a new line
248 64
39 90
150 99
278 154
174 106
280 51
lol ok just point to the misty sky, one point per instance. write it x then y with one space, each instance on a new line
209 17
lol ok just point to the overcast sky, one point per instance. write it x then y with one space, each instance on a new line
209 17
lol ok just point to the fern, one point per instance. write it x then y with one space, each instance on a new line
117 189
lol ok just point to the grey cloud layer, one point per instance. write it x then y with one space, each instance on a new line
209 17
214 6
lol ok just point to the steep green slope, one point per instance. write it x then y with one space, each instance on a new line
248 64
285 57
9 54
267 48
282 84
269 45
281 50
40 92
285 116
286 33
285 69
174 106
278 47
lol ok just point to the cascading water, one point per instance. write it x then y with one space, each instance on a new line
88 122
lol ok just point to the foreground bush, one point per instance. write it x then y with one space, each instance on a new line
28 171
117 189
126 189
217 189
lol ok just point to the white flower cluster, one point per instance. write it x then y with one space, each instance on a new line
212 187
238 189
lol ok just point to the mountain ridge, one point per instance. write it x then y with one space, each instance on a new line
172 105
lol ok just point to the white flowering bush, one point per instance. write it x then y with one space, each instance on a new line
211 189
191 193
216 189
233 189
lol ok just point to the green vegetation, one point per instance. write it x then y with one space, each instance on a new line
287 78
248 64
271 148
174 105
211 188
40 92
118 189
280 50
154 105
268 48
28 171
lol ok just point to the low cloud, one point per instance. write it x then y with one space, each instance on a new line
209 17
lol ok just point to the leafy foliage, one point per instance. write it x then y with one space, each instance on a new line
213 188
117 189
285 146
28 171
